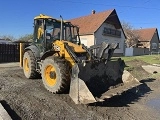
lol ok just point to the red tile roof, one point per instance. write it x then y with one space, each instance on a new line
146 34
90 23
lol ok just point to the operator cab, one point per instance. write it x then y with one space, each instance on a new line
48 29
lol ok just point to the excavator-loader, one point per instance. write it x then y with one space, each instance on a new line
89 75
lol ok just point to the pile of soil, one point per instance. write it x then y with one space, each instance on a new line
135 68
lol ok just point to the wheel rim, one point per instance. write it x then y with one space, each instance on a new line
50 75
26 65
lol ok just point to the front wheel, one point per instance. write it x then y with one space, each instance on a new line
55 74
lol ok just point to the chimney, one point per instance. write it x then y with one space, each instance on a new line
93 11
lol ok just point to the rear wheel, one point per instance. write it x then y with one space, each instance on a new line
55 74
29 65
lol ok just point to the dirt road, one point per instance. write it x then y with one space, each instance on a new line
28 99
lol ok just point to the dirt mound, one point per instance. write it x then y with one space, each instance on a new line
135 68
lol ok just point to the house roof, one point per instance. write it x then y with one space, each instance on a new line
146 34
90 23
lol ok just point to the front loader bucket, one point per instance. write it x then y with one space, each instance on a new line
95 81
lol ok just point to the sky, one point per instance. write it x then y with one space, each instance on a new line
16 16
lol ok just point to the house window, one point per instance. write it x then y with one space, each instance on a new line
111 32
118 33
154 45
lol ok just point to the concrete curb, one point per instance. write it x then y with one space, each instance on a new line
3 114
151 68
13 64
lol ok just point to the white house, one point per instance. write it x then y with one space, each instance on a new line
98 27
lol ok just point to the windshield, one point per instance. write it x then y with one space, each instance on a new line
71 33
53 31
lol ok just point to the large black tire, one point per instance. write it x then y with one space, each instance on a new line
55 74
29 65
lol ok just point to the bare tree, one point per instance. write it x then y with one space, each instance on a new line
131 34
8 37
26 38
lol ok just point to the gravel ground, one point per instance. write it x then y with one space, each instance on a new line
28 99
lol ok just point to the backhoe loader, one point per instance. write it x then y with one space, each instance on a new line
66 65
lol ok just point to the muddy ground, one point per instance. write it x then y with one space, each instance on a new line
28 99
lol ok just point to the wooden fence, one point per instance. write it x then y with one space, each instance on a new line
9 53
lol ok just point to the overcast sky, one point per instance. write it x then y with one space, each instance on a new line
16 16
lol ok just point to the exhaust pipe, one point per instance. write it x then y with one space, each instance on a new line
61 35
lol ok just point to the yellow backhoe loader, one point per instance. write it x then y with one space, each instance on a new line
66 65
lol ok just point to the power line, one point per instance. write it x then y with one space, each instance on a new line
146 1
147 23
109 4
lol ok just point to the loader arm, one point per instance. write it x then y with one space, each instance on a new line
67 50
